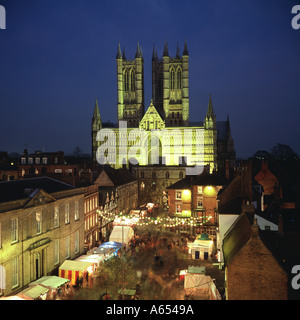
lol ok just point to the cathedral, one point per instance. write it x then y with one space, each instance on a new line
163 135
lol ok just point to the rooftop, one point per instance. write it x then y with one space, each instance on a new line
21 189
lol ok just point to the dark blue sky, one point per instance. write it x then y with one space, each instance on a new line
58 56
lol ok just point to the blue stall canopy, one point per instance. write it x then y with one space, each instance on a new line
108 247
111 244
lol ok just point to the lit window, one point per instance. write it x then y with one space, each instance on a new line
38 217
23 160
178 194
15 272
30 160
37 160
200 189
199 202
67 247
76 241
76 210
44 160
56 217
14 229
178 208
56 251
67 213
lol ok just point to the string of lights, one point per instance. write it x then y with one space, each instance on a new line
165 222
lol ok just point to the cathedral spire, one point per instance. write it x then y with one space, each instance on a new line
96 115
166 50
210 110
185 50
138 52
119 53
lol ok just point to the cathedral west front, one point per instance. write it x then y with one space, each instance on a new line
161 138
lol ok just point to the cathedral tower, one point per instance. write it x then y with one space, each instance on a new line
130 76
96 126
210 137
170 86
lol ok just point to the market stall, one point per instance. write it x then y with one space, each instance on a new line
200 287
56 285
126 294
36 292
94 259
12 298
202 247
72 269
122 234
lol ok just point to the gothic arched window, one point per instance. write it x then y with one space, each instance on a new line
126 80
132 80
178 78
172 79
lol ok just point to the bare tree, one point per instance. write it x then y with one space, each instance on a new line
283 152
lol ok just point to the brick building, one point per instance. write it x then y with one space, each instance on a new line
41 225
251 270
118 193
196 197
50 164
91 217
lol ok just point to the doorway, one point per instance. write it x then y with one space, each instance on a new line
37 266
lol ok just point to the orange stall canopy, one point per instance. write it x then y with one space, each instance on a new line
73 269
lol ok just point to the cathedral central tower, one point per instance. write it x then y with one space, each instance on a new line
170 86
130 75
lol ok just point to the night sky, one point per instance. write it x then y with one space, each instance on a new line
58 56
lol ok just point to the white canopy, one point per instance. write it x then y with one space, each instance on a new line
92 258
33 292
52 282
75 265
200 285
121 234
12 298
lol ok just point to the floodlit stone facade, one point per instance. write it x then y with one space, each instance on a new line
39 229
164 134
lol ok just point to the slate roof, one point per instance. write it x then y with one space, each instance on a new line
210 180
236 237
118 177
181 184
233 206
16 189
203 179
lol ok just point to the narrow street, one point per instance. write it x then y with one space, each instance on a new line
155 258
